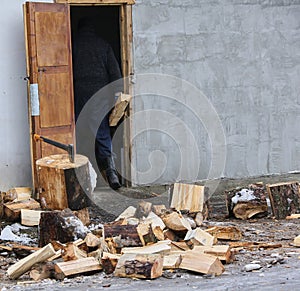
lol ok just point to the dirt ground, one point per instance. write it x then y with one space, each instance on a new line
279 267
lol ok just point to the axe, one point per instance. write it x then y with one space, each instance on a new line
67 147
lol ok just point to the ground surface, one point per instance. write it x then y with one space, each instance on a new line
279 267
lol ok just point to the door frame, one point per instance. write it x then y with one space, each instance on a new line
126 43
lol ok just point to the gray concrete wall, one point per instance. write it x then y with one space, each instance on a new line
244 55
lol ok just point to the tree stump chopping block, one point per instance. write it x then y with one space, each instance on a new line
62 184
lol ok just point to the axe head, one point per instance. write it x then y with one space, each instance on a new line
70 150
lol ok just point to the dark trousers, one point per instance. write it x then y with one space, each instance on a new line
103 144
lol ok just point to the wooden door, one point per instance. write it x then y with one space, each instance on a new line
49 70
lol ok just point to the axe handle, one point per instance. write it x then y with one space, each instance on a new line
52 142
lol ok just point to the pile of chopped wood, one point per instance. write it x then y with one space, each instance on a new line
141 242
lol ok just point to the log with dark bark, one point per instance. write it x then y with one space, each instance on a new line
284 198
143 266
63 184
62 226
127 233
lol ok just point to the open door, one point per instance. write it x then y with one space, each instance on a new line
49 71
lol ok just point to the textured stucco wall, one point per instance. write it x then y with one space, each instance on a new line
244 55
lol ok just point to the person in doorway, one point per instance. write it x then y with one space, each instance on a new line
94 67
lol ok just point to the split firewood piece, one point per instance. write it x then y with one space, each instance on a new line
119 109
159 209
109 262
1 204
199 218
127 213
61 226
72 252
143 209
26 263
297 241
18 194
254 245
143 266
30 217
225 232
188 197
12 210
157 225
42 271
92 240
179 246
175 221
83 215
130 221
198 236
246 210
128 234
169 234
293 216
161 247
172 261
56 256
284 198
222 252
146 234
201 263
81 266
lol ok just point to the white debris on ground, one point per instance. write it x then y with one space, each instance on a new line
243 196
11 233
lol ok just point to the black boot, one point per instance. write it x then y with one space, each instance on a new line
111 174
107 165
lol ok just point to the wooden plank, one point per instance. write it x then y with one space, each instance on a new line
188 197
30 217
144 266
119 109
201 263
70 268
96 2
284 198
26 263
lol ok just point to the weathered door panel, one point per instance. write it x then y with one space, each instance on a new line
49 65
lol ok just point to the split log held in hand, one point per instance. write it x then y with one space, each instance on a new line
62 184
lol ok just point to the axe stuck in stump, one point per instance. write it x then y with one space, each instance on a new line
67 147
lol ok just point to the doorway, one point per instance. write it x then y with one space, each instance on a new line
107 23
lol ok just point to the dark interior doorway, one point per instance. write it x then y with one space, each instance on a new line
107 21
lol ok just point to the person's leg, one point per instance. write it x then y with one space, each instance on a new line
104 154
